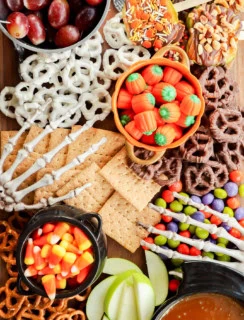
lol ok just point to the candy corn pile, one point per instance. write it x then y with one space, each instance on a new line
60 255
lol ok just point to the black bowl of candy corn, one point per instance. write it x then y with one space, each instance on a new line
61 252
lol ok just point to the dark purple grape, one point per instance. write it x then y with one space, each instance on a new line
66 36
15 5
86 18
4 10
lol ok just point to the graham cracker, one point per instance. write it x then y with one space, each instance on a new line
115 142
56 137
50 191
135 190
42 146
120 221
93 198
6 135
24 166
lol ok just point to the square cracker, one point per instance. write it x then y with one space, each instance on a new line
120 221
115 142
24 166
93 198
50 191
135 190
42 146
6 135
56 137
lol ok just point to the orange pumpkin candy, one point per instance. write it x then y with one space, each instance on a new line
164 135
158 118
148 139
164 92
169 112
132 129
190 105
171 76
152 74
146 122
178 131
183 89
143 102
124 99
135 83
185 121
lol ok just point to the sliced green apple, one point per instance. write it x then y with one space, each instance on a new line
158 275
127 308
95 302
144 295
105 317
117 265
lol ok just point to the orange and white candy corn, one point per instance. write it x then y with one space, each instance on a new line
30 271
83 261
40 263
67 237
48 227
60 229
29 256
67 262
49 284
61 283
70 247
56 255
46 250
37 233
43 240
81 239
47 270
83 274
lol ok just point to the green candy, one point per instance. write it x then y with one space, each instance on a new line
160 240
241 190
201 233
208 254
219 254
189 210
206 221
224 258
184 226
177 262
176 206
223 240
192 229
179 270
160 139
229 211
132 77
184 195
173 243
220 193
161 203
168 93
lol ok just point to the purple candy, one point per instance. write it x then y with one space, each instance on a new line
172 226
196 199
218 205
195 236
212 241
231 188
198 215
162 256
239 213
226 226
208 198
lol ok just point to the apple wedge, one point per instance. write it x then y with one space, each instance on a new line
158 275
95 302
117 265
105 317
127 309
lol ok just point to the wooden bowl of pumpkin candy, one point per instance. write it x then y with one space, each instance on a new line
157 104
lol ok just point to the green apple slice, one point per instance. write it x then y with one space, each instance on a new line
127 309
117 265
144 295
113 297
95 302
105 317
158 275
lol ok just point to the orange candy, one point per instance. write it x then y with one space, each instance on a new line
83 274
60 229
40 263
48 227
81 239
29 257
30 271
233 202
235 233
83 261
49 284
236 176
133 130
56 255
67 262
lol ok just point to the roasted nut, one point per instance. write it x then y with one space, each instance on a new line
199 26
203 19
200 49
208 48
216 45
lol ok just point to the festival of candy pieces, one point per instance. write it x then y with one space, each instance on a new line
185 206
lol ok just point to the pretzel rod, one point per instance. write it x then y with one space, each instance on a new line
239 266
232 222
198 243
187 4
211 228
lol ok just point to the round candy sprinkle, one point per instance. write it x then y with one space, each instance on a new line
225 226
172 226
160 226
201 233
207 198
183 226
176 186
220 193
196 199
176 206
160 240
233 202
167 195
184 195
218 205
192 229
161 203
236 176
235 233
173 243
195 252
231 188
207 221
215 220
189 210
208 254
241 190
241 222
214 236
212 241
174 285
219 254
177 262
223 240
228 211
185 233
198 215
224 258
166 218
179 269
183 248
207 214
149 240
239 213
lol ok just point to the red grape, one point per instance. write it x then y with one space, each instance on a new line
37 33
15 5
58 13
18 26
94 2
66 36
85 19
36 4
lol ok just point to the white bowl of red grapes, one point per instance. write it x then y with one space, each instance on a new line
51 25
